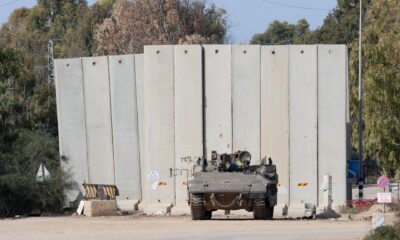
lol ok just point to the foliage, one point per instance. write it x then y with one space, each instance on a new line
28 119
285 33
19 191
345 209
134 24
339 27
381 80
385 233
342 23
69 23
28 136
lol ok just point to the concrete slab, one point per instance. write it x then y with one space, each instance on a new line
159 160
332 149
275 114
125 126
218 91
100 208
156 209
246 99
303 124
128 205
188 76
181 209
98 120
71 121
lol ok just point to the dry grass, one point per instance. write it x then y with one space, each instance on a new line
384 233
344 209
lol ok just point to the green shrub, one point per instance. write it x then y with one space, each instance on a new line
344 209
20 193
391 232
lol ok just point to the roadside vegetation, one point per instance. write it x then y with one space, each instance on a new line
28 121
385 233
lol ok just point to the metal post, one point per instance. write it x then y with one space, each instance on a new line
384 204
360 105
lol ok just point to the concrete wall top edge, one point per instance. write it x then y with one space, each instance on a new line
332 47
204 45
93 58
254 47
66 60
121 56
303 46
122 60
148 47
187 45
341 45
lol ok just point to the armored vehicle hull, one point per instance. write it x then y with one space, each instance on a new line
253 188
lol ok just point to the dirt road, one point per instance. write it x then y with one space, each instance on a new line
176 228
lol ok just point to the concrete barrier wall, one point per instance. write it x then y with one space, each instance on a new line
188 115
125 126
287 102
246 99
303 124
98 120
218 91
332 107
159 125
275 113
71 120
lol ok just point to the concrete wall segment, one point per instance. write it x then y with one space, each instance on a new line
125 126
332 107
303 123
275 113
246 99
218 91
98 120
71 120
188 114
159 157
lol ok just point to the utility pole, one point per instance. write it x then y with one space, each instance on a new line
360 106
50 58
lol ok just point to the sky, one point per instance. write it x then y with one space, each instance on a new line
245 17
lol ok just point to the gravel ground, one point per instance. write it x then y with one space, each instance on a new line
176 228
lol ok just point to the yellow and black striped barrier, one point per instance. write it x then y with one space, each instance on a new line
100 191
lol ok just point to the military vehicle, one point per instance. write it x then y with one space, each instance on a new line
229 182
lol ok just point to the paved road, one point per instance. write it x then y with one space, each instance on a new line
176 228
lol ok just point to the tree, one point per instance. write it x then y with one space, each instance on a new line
134 24
25 107
28 121
341 24
19 191
381 83
285 33
70 23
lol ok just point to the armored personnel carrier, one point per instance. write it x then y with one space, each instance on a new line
229 182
